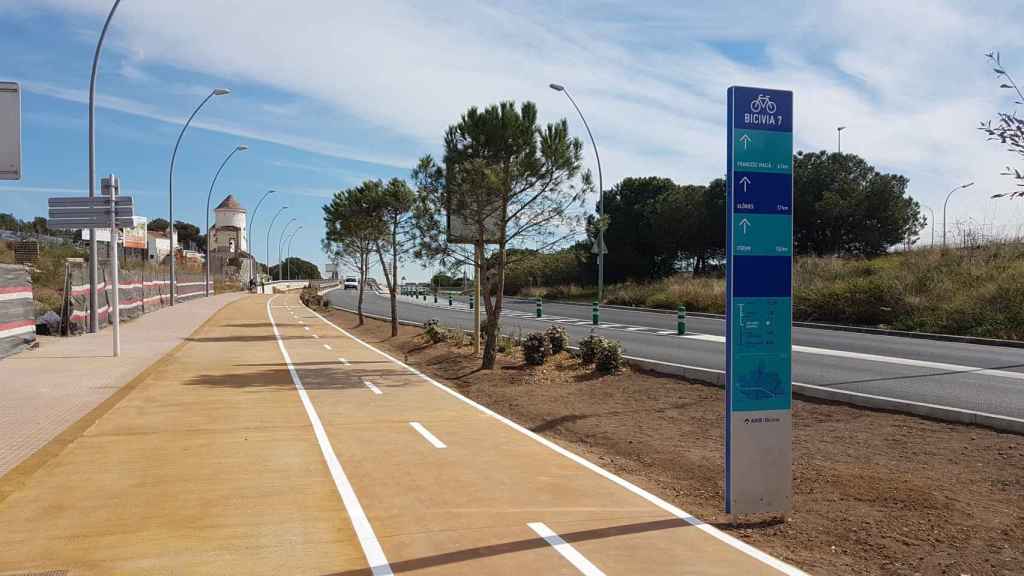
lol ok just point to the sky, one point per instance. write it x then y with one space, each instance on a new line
328 93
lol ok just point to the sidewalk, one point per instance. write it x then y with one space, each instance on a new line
43 391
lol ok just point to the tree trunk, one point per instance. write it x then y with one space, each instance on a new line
362 283
493 325
394 295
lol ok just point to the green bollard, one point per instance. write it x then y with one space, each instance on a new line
470 302
540 309
435 297
449 298
596 314
681 320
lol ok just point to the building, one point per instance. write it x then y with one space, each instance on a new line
228 243
229 232
158 246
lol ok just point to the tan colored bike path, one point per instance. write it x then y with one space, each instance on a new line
212 466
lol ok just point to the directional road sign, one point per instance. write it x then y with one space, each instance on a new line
759 290
84 212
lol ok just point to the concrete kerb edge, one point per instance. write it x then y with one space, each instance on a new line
816 325
717 378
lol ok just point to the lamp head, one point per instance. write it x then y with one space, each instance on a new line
968 185
242 148
557 87
221 91
840 128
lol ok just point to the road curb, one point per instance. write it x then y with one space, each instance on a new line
717 378
814 325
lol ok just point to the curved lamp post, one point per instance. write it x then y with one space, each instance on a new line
839 139
269 228
170 181
289 252
280 247
251 231
931 223
209 194
961 187
93 265
600 187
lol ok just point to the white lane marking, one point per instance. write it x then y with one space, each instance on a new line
565 549
426 434
344 362
360 523
372 387
327 346
656 501
306 328
315 336
637 328
665 332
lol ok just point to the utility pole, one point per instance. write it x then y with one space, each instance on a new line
839 136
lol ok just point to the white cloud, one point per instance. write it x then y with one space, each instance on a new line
908 78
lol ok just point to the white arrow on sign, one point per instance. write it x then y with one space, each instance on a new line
744 224
744 181
746 140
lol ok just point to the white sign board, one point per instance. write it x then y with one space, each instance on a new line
10 131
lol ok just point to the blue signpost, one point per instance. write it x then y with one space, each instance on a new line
759 310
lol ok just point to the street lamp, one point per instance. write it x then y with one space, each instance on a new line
289 253
170 180
280 247
931 223
600 201
251 231
271 227
93 264
961 187
839 136
241 148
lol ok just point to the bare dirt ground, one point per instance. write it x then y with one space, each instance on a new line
874 492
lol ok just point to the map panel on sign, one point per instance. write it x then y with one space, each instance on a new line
761 359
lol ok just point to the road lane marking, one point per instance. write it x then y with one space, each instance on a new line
360 523
372 387
426 434
315 336
579 561
306 328
344 362
327 346
619 481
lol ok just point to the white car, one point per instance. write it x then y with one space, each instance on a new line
351 283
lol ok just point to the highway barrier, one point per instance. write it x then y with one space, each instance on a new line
17 310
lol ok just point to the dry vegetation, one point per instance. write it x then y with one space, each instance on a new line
973 292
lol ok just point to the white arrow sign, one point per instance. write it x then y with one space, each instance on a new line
744 224
744 181
746 140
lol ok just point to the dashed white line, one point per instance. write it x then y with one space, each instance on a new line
579 561
364 531
327 346
344 362
315 336
371 386
306 328
427 435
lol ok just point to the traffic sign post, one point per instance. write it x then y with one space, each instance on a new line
10 131
90 212
759 312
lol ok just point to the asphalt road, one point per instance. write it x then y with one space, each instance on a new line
973 377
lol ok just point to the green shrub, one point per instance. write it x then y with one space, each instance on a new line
589 347
610 357
558 339
434 331
310 298
536 348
